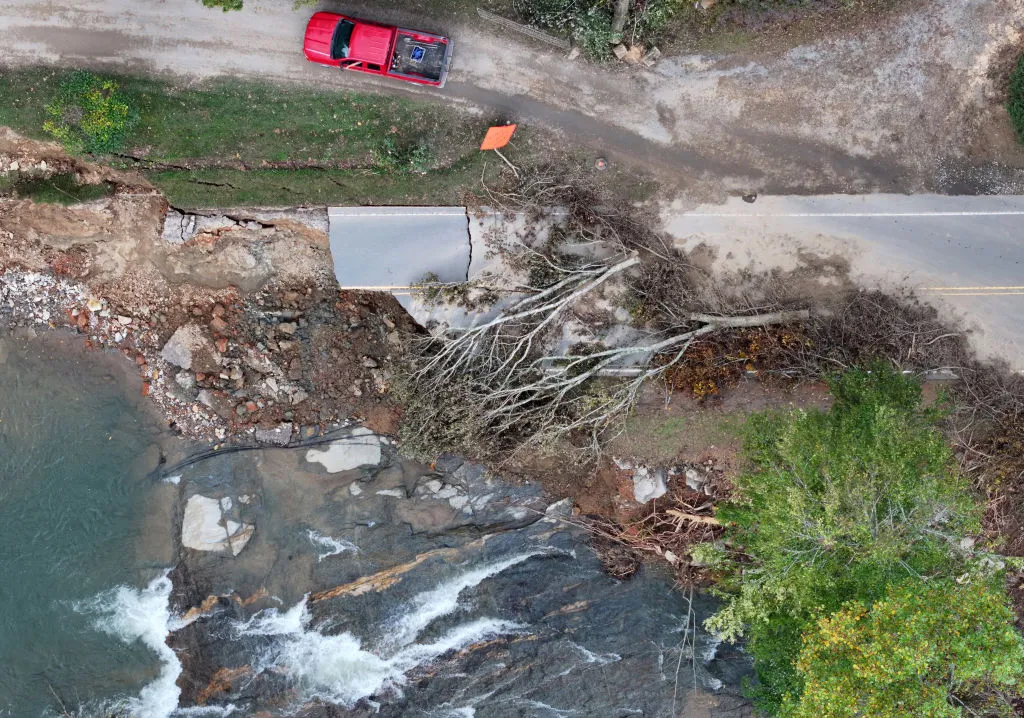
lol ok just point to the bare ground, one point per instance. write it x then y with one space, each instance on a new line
280 343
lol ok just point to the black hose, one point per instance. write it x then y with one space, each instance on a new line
162 472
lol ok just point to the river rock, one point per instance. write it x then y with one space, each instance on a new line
203 527
360 448
648 484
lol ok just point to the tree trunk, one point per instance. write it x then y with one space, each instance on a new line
621 14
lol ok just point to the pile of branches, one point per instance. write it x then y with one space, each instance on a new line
499 385
669 528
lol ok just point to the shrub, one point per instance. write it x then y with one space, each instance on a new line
91 115
841 506
390 157
588 23
923 649
224 5
1015 103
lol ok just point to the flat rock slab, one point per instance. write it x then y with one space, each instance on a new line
203 527
361 448
190 348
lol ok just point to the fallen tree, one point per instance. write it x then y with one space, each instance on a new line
525 396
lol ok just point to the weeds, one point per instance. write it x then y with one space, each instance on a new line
91 115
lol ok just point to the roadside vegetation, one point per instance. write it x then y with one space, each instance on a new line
1015 100
851 563
245 143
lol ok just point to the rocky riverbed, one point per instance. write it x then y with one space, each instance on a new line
343 580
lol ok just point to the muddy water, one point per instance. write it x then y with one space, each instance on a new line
81 600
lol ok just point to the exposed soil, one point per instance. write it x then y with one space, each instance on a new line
275 342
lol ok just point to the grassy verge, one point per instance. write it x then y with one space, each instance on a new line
249 143
226 187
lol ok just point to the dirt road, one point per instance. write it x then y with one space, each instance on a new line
904 106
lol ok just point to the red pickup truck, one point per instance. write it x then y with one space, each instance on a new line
351 44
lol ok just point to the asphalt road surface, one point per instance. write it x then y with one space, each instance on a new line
963 254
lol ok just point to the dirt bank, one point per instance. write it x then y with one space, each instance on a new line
240 327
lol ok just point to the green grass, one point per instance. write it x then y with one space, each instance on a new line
56 189
274 145
314 187
1015 100
655 436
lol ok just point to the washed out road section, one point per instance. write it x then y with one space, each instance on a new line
962 254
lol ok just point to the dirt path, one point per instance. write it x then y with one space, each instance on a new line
904 106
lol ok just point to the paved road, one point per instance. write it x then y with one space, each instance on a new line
963 254
810 119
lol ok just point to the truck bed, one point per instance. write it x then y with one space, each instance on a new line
419 55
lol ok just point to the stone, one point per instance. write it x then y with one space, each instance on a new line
559 509
205 398
280 435
188 346
299 396
218 325
370 363
433 486
238 536
94 304
394 493
458 502
354 489
201 528
287 328
694 480
204 527
361 448
185 380
295 370
125 321
648 485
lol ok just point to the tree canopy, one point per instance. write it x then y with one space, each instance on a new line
842 508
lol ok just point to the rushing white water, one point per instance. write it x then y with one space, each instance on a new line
132 614
428 606
338 669
330 546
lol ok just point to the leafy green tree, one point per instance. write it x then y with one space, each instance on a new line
923 650
841 505
90 114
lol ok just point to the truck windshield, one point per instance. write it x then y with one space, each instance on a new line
341 39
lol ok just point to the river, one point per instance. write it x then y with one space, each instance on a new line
334 580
